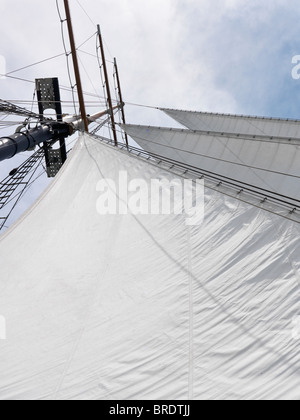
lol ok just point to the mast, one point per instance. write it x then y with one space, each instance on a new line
108 88
76 66
120 98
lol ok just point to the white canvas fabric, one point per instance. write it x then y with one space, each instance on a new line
143 306
264 163
238 124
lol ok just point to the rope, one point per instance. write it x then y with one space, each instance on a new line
87 40
234 183
88 76
85 12
103 84
67 54
10 108
118 99
35 64
20 194
62 87
219 159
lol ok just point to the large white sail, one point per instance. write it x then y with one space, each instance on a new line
144 306
271 164
237 124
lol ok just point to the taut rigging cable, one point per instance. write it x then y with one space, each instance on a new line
292 203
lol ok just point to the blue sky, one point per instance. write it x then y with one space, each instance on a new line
231 56
257 70
246 48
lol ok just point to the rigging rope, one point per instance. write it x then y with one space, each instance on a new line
16 181
118 99
62 87
10 108
88 76
220 179
46 59
86 13
32 164
87 40
217 159
67 54
100 64
35 64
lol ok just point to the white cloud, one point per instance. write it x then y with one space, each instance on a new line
211 55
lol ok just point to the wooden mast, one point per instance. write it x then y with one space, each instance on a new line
76 67
108 88
120 97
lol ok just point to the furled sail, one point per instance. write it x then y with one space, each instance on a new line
135 306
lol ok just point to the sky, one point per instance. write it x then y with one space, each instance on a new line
229 56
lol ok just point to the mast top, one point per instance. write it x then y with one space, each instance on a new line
76 67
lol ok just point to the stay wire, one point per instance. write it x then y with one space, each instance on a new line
86 13
30 182
67 54
62 87
86 41
88 76
103 84
118 99
34 64
22 192
225 178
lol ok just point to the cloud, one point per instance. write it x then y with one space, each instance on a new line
211 55
248 48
